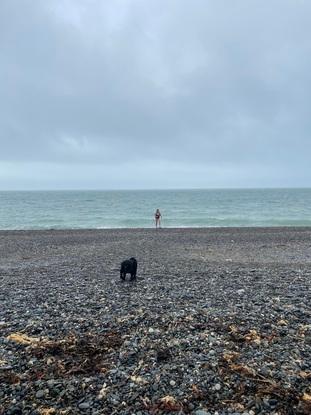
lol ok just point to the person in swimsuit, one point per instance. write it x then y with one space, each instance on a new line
157 217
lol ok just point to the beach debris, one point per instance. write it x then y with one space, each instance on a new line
47 411
252 336
169 403
139 380
243 369
22 338
230 356
306 397
103 391
282 322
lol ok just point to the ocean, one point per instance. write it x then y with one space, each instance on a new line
135 208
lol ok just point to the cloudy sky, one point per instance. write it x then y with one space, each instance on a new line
154 94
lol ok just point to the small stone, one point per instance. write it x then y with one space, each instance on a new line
16 411
201 412
217 387
40 394
172 382
84 405
7 367
273 402
88 380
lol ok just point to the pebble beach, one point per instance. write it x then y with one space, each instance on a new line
217 322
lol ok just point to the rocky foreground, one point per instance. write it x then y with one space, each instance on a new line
218 322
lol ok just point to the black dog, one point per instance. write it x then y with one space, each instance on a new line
129 266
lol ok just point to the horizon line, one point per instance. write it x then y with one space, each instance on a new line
158 189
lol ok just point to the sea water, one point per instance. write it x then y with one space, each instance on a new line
135 208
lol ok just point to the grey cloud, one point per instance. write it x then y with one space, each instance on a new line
223 85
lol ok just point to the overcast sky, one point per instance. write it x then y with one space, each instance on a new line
154 94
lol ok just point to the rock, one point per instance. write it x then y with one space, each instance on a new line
84 405
6 367
40 394
15 411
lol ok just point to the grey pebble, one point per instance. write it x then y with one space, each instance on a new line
40 394
84 405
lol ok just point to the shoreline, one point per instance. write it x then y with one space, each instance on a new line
173 228
219 319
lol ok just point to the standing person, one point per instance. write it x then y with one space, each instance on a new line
157 217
